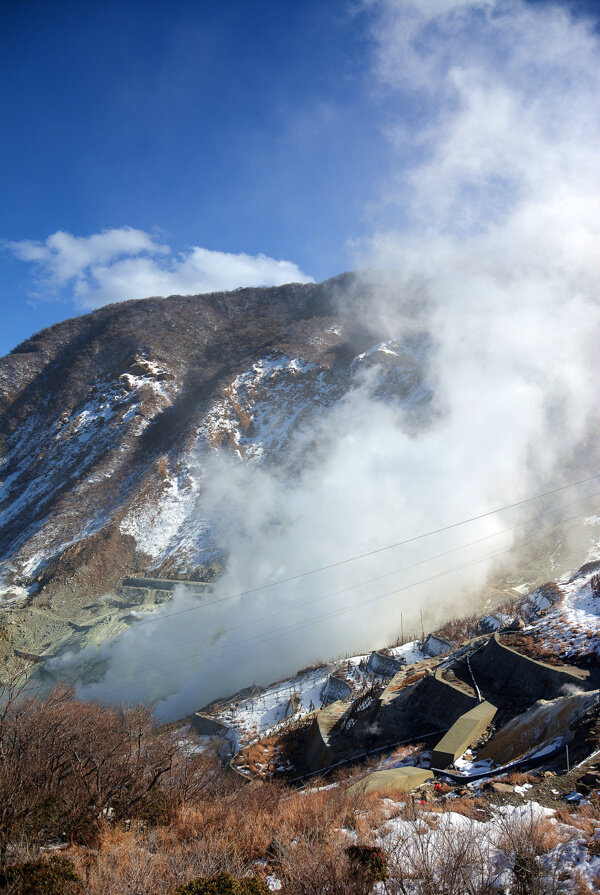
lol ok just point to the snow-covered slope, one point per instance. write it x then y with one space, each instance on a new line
110 421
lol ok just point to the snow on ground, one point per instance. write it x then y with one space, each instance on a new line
260 714
255 417
410 652
392 347
174 522
262 405
468 766
12 593
422 846
571 627
70 445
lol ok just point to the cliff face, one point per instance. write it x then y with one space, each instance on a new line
105 420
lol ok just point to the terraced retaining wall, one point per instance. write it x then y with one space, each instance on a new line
319 752
386 666
210 727
164 583
441 701
505 668
335 688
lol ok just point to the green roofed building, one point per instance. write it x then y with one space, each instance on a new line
395 780
463 733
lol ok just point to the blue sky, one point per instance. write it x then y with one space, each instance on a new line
234 127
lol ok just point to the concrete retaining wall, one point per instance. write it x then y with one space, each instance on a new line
293 704
436 646
164 583
210 727
442 702
463 733
335 688
386 666
505 668
319 752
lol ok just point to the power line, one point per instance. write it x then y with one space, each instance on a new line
343 590
260 638
374 552
257 638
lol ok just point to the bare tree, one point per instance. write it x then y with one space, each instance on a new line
64 764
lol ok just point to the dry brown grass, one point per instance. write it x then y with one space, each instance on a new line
468 806
411 679
296 834
301 837
529 834
533 647
216 823
581 887
518 778
586 820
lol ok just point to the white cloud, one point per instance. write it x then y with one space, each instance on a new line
125 263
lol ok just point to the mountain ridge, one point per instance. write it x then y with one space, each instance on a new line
103 418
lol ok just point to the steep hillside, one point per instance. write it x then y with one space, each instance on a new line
107 420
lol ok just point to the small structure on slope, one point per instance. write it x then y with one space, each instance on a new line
384 665
464 733
436 646
335 688
394 780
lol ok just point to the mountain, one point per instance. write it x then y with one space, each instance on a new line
107 419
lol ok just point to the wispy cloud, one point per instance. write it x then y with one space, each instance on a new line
125 263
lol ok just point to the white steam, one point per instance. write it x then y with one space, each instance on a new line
491 242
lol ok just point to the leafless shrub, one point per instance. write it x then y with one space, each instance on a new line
66 764
458 629
440 862
518 778
311 866
524 839
147 862
581 887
